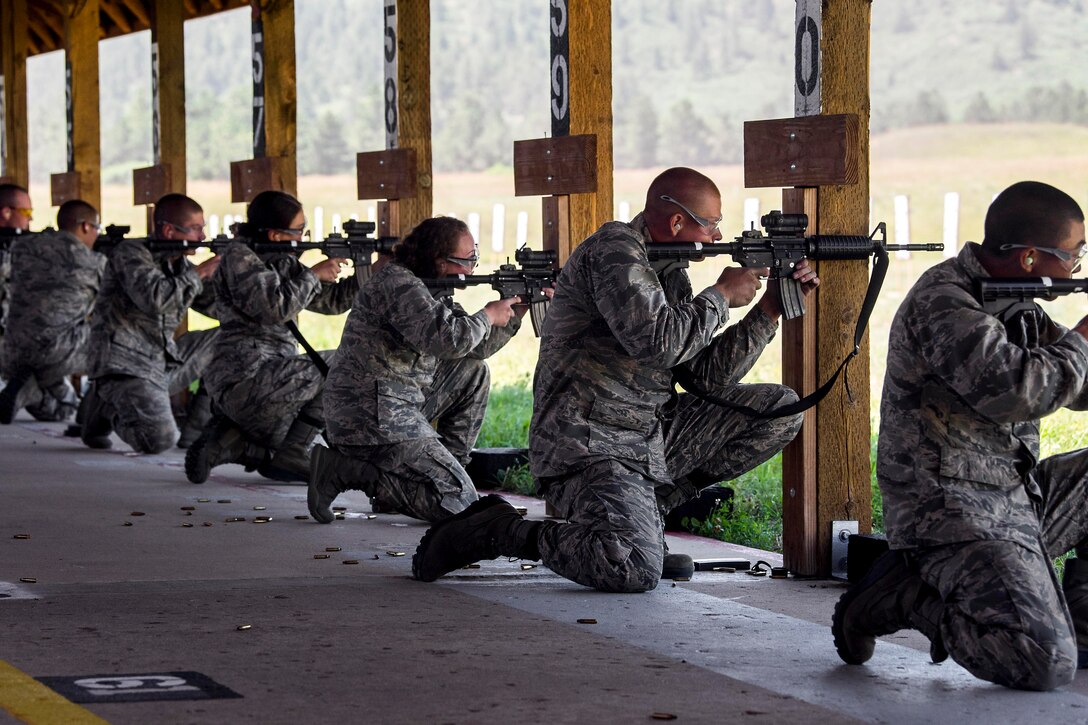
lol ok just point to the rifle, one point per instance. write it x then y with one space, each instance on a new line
527 282
1022 289
781 249
354 244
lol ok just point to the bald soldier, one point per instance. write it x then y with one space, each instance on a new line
612 445
55 279
974 517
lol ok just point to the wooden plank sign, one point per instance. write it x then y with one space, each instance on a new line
389 174
806 151
150 184
64 187
252 176
557 165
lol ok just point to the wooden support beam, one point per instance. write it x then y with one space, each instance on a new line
800 527
14 38
168 38
139 11
82 31
414 104
843 467
590 94
117 14
280 89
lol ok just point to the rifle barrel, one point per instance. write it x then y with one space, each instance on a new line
930 247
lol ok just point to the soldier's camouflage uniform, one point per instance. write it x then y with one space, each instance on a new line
5 279
257 378
136 362
964 490
55 281
407 359
612 445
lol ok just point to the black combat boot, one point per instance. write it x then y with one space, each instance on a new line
221 442
96 427
488 528
197 418
889 598
332 473
20 391
291 460
1075 588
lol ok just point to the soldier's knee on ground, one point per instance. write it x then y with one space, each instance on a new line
1041 666
149 439
639 572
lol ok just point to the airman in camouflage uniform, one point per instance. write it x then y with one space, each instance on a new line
612 445
973 516
15 218
55 280
406 359
269 394
136 362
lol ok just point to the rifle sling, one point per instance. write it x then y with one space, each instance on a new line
880 270
319 362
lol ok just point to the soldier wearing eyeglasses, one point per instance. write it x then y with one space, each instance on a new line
15 217
55 278
612 445
408 357
136 362
974 517
268 394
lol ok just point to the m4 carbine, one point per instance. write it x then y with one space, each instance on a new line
354 244
527 281
1022 289
781 249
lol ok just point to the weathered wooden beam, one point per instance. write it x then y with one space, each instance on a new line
117 14
280 89
14 42
590 93
168 39
138 10
190 9
414 104
843 469
81 42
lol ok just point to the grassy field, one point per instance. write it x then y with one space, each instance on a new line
922 163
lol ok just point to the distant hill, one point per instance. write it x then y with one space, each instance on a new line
686 73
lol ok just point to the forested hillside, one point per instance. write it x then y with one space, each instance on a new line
687 73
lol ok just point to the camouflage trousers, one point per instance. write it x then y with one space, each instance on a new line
425 478
139 410
46 365
266 404
1007 619
614 539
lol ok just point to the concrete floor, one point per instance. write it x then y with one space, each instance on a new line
123 594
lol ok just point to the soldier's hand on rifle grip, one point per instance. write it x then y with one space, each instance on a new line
739 284
521 306
327 270
500 311
207 268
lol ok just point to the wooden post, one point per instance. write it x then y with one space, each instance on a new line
13 48
581 75
413 93
826 470
84 138
168 43
280 89
843 468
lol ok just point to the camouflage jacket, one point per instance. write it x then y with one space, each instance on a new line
394 337
963 395
55 279
613 335
142 301
256 296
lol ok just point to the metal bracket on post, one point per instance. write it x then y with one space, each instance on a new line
840 545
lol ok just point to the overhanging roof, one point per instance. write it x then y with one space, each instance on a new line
45 18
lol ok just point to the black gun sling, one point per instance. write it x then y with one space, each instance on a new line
880 270
318 361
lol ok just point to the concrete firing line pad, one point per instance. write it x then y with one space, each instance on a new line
350 642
